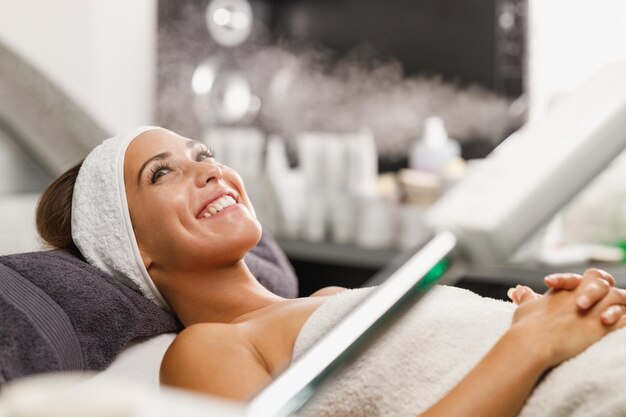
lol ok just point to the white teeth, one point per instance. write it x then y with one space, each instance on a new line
219 205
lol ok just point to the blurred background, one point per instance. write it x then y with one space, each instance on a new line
347 119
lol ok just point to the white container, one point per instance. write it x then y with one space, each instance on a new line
286 191
412 228
276 162
312 152
341 209
315 216
435 149
240 148
376 222
289 190
362 159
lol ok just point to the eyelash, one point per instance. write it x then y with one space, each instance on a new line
156 169
206 153
161 166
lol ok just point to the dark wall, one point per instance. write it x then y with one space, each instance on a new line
450 37
461 40
467 41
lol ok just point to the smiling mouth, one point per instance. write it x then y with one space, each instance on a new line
218 205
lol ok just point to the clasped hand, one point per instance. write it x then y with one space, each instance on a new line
574 313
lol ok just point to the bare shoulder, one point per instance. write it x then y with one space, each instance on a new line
217 359
326 291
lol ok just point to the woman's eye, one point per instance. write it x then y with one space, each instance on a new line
158 173
204 155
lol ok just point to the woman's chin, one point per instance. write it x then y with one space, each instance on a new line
254 236
237 243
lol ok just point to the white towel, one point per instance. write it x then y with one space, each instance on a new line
436 343
101 224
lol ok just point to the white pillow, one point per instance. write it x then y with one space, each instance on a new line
139 361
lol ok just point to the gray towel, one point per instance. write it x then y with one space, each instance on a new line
269 264
59 313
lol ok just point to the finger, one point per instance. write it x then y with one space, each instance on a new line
525 294
621 323
592 293
612 314
563 281
511 294
599 273
615 296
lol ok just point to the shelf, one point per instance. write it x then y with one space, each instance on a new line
352 256
508 274
336 254
532 275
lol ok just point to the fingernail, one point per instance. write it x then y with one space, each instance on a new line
609 316
520 292
509 293
583 301
551 278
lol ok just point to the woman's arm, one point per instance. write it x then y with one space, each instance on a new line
215 359
500 383
545 331
326 291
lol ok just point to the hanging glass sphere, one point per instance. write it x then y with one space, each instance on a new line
222 93
229 21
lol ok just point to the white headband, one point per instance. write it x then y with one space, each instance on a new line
101 226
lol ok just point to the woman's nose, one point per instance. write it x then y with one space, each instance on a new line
207 172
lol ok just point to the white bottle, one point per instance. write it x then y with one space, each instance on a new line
435 149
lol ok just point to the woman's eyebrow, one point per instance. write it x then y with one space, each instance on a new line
159 157
192 143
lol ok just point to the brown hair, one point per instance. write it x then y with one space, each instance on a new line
54 212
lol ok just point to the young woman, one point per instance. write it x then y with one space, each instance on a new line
160 209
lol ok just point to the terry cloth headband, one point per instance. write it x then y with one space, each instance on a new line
101 226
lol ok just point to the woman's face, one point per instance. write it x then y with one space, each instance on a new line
189 212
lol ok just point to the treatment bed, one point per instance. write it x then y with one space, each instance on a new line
61 314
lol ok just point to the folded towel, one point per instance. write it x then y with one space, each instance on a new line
36 323
269 264
101 315
59 313
427 351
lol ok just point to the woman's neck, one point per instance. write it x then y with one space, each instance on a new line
225 295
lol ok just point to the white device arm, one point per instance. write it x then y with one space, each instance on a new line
536 171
